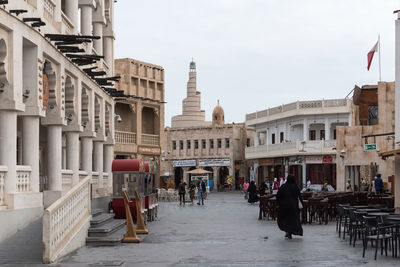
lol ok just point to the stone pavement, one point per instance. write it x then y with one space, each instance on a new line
226 232
23 248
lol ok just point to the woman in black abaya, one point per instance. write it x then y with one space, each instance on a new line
289 213
252 192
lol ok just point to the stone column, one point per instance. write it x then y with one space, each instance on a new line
87 154
30 148
107 50
327 129
8 150
73 155
305 130
256 140
304 171
98 161
98 31
71 10
86 20
139 108
397 184
108 159
54 156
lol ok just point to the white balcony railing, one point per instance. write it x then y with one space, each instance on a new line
150 139
125 137
64 219
67 179
24 174
67 24
82 175
3 172
48 10
105 179
291 148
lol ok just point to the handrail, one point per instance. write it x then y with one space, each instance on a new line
64 219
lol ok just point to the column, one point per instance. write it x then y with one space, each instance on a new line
98 161
98 31
54 156
304 172
327 129
8 150
215 177
397 184
30 148
256 141
108 159
107 50
71 10
87 154
305 130
86 20
139 108
72 151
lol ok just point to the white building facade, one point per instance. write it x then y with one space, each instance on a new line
56 122
298 138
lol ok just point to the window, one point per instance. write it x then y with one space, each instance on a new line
312 135
281 137
196 144
248 142
174 145
188 144
322 135
273 139
334 134
203 144
373 115
211 143
227 143
181 144
219 141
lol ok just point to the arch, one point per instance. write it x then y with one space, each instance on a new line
97 107
84 108
52 80
178 172
3 66
223 173
69 100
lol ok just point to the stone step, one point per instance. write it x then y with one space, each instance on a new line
101 218
96 212
105 229
109 240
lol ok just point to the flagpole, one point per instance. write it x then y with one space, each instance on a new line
380 70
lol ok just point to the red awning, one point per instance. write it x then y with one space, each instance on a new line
126 165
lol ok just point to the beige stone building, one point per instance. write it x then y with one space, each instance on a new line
194 143
372 131
139 123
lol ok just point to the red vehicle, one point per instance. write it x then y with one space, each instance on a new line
129 174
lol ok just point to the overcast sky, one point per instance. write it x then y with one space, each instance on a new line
255 54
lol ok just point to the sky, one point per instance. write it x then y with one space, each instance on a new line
256 54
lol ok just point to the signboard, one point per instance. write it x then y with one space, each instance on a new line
327 159
184 163
266 162
149 150
214 162
46 91
370 147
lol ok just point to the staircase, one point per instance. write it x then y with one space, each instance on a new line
104 229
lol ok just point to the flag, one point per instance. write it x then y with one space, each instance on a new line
371 54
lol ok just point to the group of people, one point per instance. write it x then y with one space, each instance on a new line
266 187
202 191
375 186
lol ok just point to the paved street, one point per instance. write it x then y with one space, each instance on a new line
225 232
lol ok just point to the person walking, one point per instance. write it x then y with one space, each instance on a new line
192 189
252 192
378 184
182 192
288 198
202 190
245 187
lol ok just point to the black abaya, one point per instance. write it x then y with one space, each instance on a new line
289 213
252 193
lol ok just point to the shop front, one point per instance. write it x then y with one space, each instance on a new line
321 169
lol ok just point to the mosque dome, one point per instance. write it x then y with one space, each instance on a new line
192 64
218 115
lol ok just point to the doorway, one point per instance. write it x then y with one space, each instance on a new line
178 176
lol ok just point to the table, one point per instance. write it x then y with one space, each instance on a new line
379 214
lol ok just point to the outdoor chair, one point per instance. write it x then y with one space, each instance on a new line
376 232
358 226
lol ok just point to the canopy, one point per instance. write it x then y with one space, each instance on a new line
198 171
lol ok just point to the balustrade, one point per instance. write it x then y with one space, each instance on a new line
125 137
3 172
24 178
48 10
150 139
64 219
67 24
